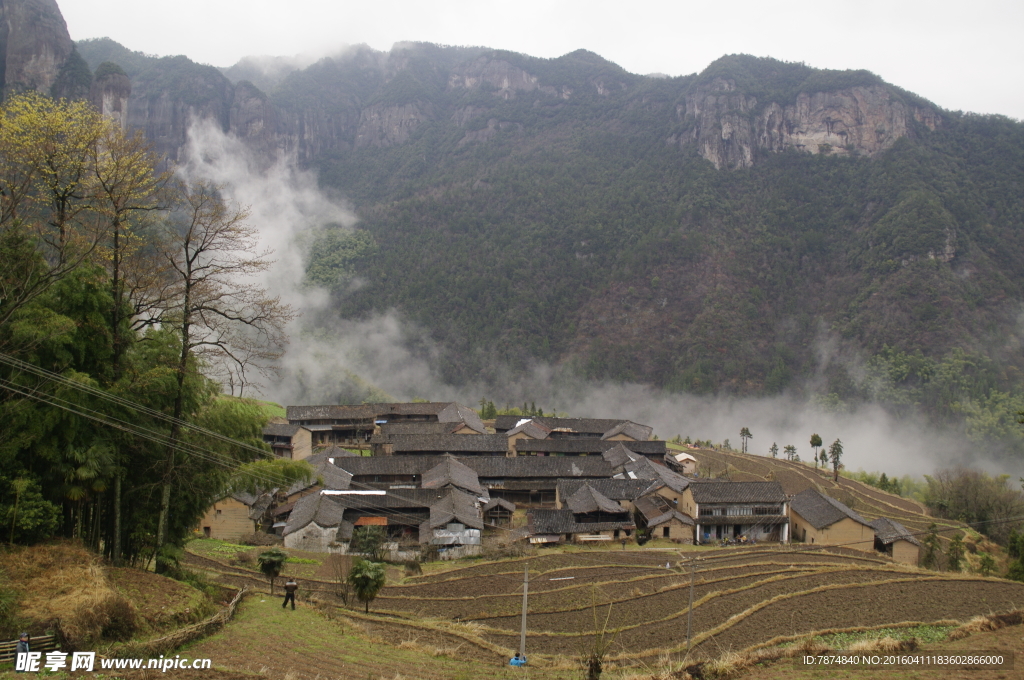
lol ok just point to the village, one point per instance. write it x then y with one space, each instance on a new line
437 480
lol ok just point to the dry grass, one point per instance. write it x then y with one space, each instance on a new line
63 587
984 624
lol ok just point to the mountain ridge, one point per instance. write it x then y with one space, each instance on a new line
731 231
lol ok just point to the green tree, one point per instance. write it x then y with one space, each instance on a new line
774 450
367 579
271 562
986 564
815 444
790 452
835 454
955 553
745 435
369 541
823 457
931 548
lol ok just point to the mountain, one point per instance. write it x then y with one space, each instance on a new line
757 227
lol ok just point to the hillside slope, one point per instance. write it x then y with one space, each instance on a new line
758 227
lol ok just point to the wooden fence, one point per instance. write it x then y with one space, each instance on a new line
39 643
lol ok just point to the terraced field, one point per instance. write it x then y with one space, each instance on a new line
741 597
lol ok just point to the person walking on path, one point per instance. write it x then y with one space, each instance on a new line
289 593
22 647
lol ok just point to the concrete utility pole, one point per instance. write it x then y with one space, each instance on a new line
522 632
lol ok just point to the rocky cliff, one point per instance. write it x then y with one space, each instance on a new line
730 127
34 44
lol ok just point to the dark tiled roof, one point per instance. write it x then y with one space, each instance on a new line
656 511
532 467
499 503
323 510
564 522
630 465
889 531
457 413
456 506
587 445
595 426
587 499
737 492
388 430
531 428
821 510
486 467
363 411
615 489
281 430
640 433
618 455
441 443
451 472
333 476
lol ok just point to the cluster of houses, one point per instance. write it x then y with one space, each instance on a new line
434 476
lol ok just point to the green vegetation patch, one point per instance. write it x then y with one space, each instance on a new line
924 634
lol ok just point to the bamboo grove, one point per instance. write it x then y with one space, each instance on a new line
122 312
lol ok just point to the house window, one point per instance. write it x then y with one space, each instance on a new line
664 533
218 511
616 534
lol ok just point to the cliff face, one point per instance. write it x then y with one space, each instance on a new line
730 127
110 94
34 44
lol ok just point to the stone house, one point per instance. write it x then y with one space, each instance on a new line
289 441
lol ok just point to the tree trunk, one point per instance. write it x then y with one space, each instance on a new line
116 552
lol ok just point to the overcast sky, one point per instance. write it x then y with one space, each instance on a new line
961 55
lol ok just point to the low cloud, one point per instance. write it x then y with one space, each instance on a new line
335 360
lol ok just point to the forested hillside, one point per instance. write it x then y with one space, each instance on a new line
709 233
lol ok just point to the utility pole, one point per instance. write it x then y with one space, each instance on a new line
689 611
522 632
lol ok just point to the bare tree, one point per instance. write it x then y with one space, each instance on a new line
219 312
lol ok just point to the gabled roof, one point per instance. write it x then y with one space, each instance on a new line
889 531
656 511
615 489
499 503
281 430
820 510
317 508
594 426
455 507
737 492
531 428
640 433
587 499
451 472
457 413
